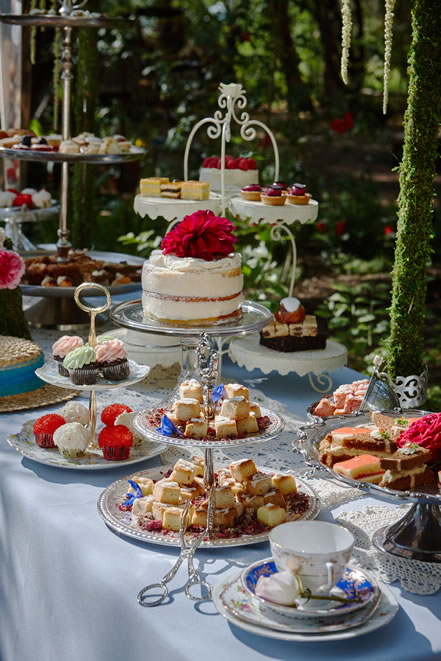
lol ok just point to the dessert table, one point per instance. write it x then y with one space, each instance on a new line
68 583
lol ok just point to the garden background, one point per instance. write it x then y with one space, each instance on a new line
157 80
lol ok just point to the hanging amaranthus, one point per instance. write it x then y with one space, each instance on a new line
346 29
388 25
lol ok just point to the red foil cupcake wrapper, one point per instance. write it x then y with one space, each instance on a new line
116 453
45 440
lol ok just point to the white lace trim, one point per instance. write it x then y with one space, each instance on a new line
414 576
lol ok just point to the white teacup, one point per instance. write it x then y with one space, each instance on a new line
317 551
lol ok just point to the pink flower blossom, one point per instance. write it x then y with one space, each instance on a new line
11 269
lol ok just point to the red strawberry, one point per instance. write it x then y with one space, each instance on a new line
218 163
206 162
228 157
233 164
243 164
211 162
252 165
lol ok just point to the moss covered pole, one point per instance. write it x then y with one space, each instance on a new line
417 171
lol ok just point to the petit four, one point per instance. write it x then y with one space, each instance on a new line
273 195
297 195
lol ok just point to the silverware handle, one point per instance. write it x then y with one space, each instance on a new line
142 593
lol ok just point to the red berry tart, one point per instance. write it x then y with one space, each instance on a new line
45 427
297 194
273 195
251 193
110 413
115 442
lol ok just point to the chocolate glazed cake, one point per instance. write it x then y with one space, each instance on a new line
307 335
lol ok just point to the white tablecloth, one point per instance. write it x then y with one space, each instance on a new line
68 584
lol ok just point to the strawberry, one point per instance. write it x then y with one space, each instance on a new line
233 164
243 164
206 162
252 165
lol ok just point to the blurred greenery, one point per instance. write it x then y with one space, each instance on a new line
161 77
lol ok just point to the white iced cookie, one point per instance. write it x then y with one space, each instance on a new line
126 418
75 412
281 588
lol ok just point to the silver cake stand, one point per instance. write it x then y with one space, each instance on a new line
416 536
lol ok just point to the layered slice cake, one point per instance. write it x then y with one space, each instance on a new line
196 279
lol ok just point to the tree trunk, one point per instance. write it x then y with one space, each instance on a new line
328 17
417 171
12 319
298 96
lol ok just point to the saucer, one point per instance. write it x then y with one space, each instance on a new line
354 583
241 609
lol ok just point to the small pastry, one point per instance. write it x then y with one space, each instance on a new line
82 366
112 360
42 145
273 195
64 281
248 425
72 439
291 311
271 515
251 193
297 194
61 348
69 147
115 442
242 469
45 427
75 412
48 282
236 408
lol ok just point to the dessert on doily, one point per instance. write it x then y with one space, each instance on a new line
395 452
297 194
235 416
247 500
68 431
28 197
176 190
196 279
291 329
276 194
347 398
84 143
238 172
46 271
19 358
83 363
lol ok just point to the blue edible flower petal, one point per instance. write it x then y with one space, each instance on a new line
167 428
217 393
136 487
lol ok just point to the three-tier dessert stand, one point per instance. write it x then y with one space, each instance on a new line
67 19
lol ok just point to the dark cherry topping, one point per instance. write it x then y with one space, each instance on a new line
252 187
281 183
275 190
26 140
42 141
298 189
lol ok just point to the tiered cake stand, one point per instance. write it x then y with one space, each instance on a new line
14 217
417 536
66 21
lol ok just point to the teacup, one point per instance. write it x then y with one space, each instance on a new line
317 551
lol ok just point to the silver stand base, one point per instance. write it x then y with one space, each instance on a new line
60 313
417 536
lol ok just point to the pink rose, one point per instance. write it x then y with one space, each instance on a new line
11 269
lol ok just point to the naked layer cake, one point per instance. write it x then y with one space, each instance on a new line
196 279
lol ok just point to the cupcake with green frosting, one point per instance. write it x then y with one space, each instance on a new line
82 366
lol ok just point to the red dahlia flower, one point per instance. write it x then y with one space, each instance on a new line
201 235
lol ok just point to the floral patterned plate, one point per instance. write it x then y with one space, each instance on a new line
355 583
93 459
238 607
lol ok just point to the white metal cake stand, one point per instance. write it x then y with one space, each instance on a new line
249 353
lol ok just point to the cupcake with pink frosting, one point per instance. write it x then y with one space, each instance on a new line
112 360
62 347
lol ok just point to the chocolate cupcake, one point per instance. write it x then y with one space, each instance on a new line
82 366
112 360
62 347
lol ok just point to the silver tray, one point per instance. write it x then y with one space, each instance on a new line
68 292
130 315
309 438
25 215
135 154
24 442
148 430
119 521
26 20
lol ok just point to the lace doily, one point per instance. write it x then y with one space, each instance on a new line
414 576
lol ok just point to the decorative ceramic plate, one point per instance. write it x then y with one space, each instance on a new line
147 429
24 442
354 584
111 498
233 602
49 373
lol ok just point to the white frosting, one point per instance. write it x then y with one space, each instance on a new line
72 436
290 303
42 199
6 198
126 418
281 588
185 310
232 178
75 412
